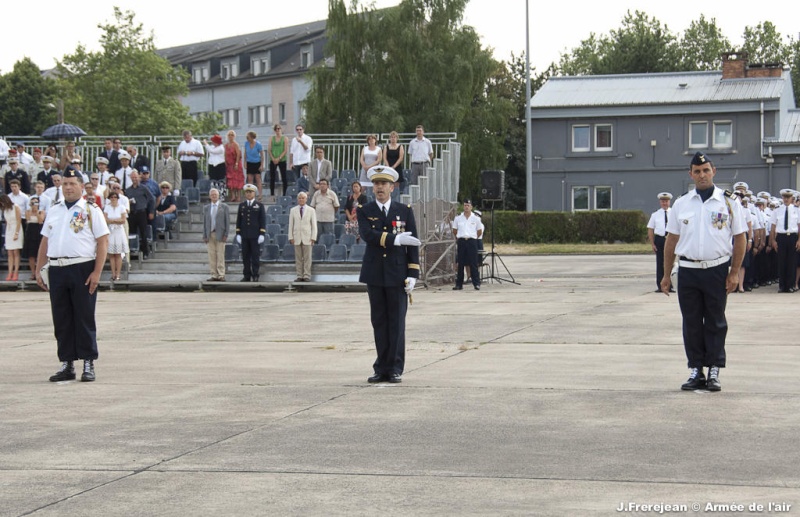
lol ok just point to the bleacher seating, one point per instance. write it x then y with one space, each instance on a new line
337 253
287 255
319 252
270 253
357 253
348 239
185 183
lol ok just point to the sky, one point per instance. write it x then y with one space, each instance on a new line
554 27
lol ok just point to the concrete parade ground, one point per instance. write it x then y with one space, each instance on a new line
557 396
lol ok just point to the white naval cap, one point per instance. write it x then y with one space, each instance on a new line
740 185
664 195
382 173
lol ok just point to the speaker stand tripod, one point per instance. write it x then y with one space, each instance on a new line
494 258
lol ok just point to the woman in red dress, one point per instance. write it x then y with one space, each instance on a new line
234 173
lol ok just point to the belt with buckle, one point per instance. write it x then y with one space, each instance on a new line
702 264
68 261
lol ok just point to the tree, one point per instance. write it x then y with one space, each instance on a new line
763 44
25 98
406 65
702 46
126 88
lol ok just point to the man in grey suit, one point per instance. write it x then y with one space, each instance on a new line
319 169
216 219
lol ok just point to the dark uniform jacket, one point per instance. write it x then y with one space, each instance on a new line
251 222
384 263
21 176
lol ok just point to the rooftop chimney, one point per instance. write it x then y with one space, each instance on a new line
734 65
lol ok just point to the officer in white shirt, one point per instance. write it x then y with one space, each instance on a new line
74 245
467 229
706 231
124 173
189 152
657 235
785 224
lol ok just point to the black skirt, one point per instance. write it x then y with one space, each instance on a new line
33 237
217 172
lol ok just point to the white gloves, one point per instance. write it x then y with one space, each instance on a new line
410 282
238 239
177 192
406 239
261 239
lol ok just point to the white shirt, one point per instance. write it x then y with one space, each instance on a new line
25 159
55 194
190 146
758 217
44 203
705 230
3 149
778 219
420 150
216 154
388 205
467 228
658 223
300 155
60 226
124 177
21 200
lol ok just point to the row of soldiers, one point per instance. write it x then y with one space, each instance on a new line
773 224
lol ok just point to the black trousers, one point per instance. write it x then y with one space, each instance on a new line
387 308
659 241
274 168
702 298
251 253
749 269
73 311
137 223
762 267
467 255
787 260
188 171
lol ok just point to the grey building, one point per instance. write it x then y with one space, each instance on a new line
253 80
615 141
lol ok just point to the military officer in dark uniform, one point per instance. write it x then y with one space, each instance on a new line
251 228
74 245
706 230
390 269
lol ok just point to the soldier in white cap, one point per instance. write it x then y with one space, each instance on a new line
657 235
785 224
390 269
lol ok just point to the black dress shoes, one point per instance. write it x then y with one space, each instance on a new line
457 288
244 279
378 377
88 371
395 378
713 379
255 278
477 288
697 380
65 373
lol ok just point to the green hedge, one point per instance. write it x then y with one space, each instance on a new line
567 227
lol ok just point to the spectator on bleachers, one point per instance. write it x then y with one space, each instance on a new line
148 182
353 200
303 235
216 158
54 193
99 189
20 199
46 175
234 173
393 157
168 169
303 182
14 237
165 205
371 155
67 156
35 217
91 196
277 148
116 215
326 203
321 169
36 167
101 164
16 173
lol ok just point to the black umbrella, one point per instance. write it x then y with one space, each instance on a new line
62 131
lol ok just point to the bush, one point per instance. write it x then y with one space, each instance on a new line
567 227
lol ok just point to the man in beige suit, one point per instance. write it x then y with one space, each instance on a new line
319 169
168 169
216 220
303 234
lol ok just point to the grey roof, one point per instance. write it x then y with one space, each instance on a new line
654 89
790 128
245 43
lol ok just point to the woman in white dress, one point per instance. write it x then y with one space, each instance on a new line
371 156
117 239
14 238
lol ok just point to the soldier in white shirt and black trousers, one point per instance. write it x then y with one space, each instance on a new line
783 239
657 235
706 231
74 245
468 229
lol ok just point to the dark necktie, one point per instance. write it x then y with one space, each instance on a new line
786 219
383 209
58 194
665 219
301 211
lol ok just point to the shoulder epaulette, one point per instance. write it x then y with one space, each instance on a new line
730 194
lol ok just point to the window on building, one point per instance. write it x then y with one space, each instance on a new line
260 115
580 198
199 74
698 134
723 133
282 112
301 111
229 70
580 139
602 137
602 198
306 57
261 64
230 117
